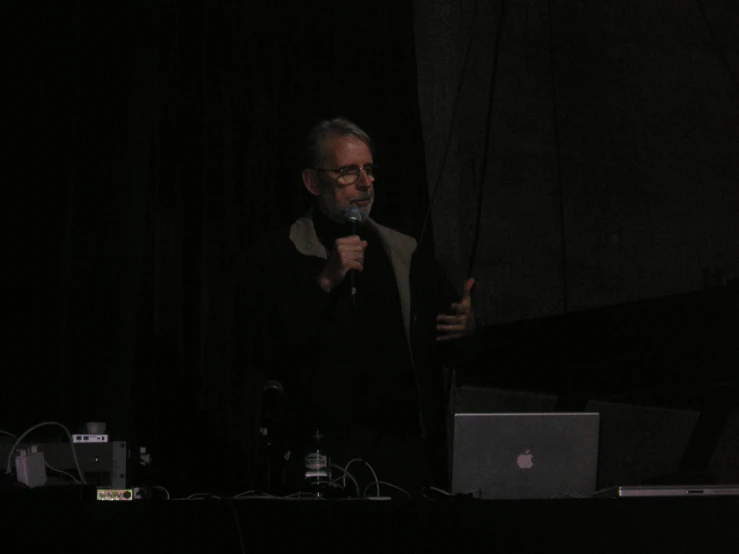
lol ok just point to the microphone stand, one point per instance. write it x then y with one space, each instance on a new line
270 416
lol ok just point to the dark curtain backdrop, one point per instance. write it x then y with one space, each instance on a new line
593 148
165 141
153 144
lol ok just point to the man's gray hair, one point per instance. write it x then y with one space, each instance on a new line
318 134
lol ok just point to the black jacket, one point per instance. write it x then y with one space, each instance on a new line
282 312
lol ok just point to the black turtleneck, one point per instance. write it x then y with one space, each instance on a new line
365 375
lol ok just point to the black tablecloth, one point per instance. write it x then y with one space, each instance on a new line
674 525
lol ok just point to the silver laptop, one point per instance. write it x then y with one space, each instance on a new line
670 490
525 455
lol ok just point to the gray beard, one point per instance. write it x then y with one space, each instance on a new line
329 208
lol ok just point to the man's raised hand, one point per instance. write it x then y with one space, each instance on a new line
462 322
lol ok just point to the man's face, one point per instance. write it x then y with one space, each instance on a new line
334 196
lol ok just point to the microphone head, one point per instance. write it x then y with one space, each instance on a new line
273 386
352 214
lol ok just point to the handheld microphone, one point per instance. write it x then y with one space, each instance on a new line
353 215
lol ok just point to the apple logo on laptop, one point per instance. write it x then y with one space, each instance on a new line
525 460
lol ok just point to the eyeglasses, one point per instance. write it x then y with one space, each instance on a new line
350 174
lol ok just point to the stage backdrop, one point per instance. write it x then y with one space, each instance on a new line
587 150
158 143
165 141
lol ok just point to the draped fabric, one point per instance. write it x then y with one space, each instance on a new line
585 152
172 135
155 142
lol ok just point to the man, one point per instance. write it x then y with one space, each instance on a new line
355 325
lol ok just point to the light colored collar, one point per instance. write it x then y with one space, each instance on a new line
303 235
399 247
